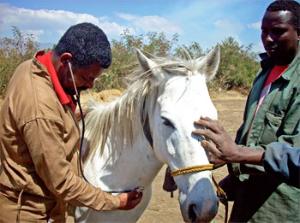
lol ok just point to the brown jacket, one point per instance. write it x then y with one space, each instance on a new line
39 152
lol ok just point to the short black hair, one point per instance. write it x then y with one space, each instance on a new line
288 5
87 43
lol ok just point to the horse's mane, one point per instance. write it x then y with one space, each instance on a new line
125 112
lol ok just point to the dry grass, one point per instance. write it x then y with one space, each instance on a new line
103 96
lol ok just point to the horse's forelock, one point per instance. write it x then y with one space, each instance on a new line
120 113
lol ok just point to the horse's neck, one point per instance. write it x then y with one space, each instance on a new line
119 169
129 168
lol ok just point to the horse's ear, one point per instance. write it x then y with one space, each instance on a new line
145 62
149 55
209 64
148 64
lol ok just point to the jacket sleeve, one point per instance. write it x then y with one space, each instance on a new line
282 160
287 132
44 141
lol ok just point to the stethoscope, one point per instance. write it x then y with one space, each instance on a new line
77 99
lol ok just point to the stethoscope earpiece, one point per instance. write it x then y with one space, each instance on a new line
73 79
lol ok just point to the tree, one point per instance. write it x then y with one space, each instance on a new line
124 59
13 51
238 65
237 69
194 50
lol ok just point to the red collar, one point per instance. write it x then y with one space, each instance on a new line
275 73
46 60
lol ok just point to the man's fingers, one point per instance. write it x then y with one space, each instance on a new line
207 133
210 147
208 123
206 118
212 152
136 199
130 200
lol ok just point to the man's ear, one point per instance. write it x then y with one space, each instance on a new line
65 57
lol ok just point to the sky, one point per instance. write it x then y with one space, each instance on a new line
207 22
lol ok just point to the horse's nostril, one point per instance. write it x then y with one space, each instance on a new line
192 214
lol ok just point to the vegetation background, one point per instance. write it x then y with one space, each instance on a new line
237 70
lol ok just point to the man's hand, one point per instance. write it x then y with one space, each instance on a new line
130 200
218 143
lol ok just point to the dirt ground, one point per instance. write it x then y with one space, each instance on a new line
163 208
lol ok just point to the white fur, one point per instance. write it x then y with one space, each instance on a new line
118 155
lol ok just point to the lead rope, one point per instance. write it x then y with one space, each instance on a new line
192 169
220 192
222 197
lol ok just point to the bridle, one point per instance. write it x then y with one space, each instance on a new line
181 171
192 169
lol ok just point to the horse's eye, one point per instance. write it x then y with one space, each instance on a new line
167 122
181 66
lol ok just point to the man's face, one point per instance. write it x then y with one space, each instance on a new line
84 77
279 36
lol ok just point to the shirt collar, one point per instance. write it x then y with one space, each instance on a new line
46 60
266 63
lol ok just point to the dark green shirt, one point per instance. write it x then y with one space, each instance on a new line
261 197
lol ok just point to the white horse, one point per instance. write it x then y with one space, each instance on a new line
151 124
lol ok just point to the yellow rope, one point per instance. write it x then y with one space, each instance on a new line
220 192
222 198
192 169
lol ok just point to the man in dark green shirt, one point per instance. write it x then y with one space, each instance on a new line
272 114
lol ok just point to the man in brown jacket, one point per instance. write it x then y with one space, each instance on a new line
39 136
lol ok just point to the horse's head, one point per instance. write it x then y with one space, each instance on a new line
180 97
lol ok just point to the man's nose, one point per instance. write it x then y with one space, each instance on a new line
269 38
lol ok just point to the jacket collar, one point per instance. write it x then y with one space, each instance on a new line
266 63
44 61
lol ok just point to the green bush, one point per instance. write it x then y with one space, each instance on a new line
124 58
237 68
13 51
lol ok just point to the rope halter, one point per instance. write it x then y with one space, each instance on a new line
192 169
220 192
